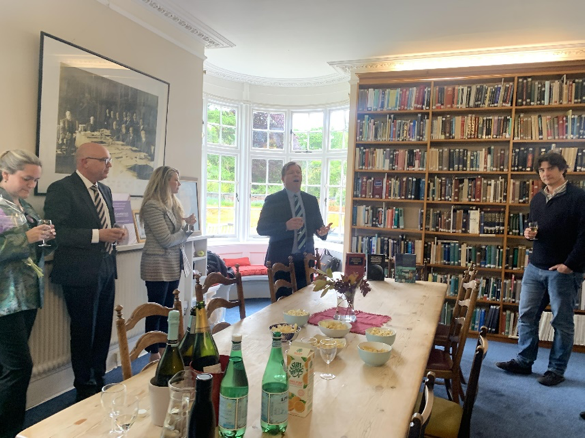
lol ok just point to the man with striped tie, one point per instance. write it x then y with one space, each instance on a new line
85 261
290 218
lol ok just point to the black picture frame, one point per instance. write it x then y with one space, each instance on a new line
86 97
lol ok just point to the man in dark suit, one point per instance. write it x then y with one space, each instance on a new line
85 261
290 218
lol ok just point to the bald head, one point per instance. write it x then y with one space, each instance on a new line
93 161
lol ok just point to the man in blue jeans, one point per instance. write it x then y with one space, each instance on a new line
555 273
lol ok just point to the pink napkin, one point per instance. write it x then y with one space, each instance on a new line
364 320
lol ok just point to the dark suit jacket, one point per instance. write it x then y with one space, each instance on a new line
69 205
273 217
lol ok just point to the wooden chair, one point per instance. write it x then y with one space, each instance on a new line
446 363
420 419
217 303
310 270
281 283
148 338
450 420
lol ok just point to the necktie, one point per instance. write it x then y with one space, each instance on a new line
102 210
301 232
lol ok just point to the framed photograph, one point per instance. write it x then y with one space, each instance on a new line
188 197
140 233
87 98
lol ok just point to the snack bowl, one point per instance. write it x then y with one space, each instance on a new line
292 330
375 358
333 328
300 318
386 335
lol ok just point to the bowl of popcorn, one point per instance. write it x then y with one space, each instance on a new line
333 328
288 332
386 335
374 354
296 316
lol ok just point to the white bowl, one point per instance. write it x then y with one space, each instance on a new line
334 333
386 339
291 336
375 359
299 320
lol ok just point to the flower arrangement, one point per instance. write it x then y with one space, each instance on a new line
346 285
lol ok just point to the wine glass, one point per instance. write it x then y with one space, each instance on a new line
328 350
125 412
45 222
113 392
534 228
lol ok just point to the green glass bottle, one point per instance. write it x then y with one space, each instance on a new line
188 341
202 416
274 411
171 361
205 356
233 394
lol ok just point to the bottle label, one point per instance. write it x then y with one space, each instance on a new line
212 368
237 346
233 412
277 343
274 407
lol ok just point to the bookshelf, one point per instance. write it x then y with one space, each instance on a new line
443 167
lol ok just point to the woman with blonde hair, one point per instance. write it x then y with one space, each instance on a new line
163 257
21 282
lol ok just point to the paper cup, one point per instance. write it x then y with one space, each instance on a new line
160 397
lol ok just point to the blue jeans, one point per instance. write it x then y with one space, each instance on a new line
539 287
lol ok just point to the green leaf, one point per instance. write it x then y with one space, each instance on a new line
319 284
329 273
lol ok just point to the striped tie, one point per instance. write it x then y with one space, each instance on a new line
301 232
101 208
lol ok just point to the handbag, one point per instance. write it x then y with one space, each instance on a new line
329 261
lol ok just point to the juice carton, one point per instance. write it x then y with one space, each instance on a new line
300 361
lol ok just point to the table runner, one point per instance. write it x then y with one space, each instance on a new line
363 322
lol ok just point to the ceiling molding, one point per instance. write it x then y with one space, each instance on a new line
332 79
188 23
493 56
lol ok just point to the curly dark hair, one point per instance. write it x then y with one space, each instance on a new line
554 159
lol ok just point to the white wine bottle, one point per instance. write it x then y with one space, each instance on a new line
188 341
171 361
205 356
274 411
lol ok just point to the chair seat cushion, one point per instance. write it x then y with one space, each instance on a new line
439 360
242 261
445 419
253 270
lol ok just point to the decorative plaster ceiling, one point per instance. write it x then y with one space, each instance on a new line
321 42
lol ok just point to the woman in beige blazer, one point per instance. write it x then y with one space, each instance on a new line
163 256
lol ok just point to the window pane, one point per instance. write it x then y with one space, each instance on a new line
275 171
258 171
276 140
339 140
260 120
213 134
277 122
300 141
315 191
257 189
338 120
228 136
212 187
228 117
213 114
212 167
313 176
335 173
259 139
274 189
300 122
316 121
316 141
228 188
228 168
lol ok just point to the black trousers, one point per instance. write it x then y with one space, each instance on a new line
160 292
15 370
91 309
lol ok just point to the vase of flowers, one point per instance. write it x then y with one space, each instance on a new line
345 287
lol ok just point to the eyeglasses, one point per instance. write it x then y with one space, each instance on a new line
104 160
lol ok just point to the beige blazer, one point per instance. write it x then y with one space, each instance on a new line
164 246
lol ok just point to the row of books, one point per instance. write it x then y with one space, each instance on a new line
473 96
446 313
490 288
474 189
546 331
550 92
381 217
470 127
524 158
394 99
390 159
549 127
470 220
455 253
522 191
451 280
511 290
392 129
487 159
388 246
511 324
518 257
490 317
386 187
517 223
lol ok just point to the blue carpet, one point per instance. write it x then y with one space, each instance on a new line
507 406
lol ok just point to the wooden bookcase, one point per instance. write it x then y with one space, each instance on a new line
440 165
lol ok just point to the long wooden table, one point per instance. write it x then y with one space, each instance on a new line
362 401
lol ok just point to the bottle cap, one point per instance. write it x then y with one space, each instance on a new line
174 317
204 377
236 338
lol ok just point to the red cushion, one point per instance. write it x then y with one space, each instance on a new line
253 270
242 261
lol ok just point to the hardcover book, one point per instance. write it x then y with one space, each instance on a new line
355 262
405 268
377 267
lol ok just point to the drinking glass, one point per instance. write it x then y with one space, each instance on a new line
534 228
113 392
328 350
125 412
45 222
